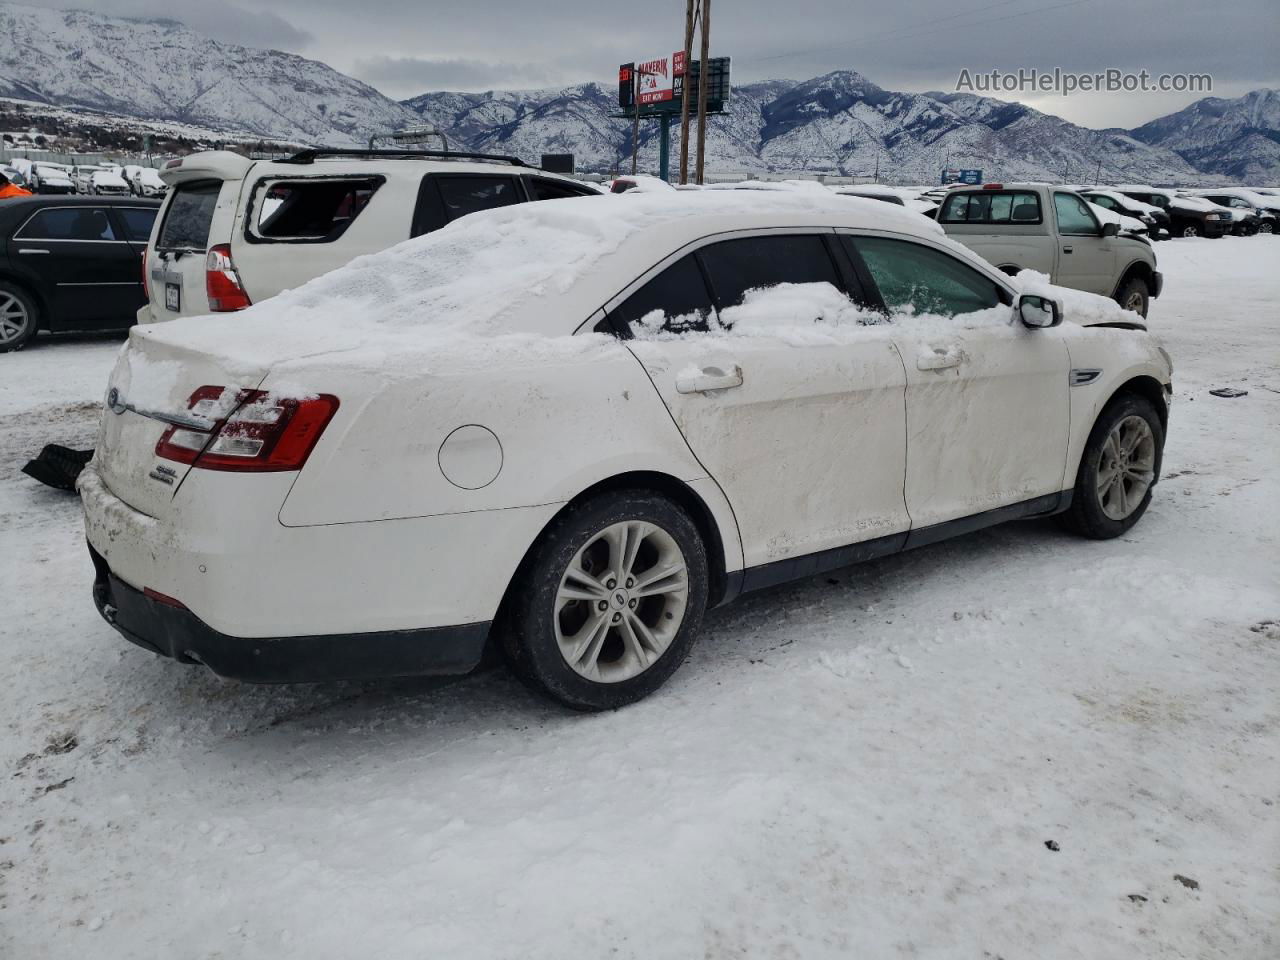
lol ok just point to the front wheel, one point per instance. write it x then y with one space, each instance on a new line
1190 230
609 602
1118 470
1265 228
1134 296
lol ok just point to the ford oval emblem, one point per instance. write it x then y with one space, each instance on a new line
114 403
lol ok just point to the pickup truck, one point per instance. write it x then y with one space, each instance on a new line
1032 226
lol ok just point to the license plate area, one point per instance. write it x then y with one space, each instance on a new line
173 297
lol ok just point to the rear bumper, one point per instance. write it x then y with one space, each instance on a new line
174 631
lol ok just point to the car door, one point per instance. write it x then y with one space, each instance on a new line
807 440
986 401
1086 258
90 269
135 225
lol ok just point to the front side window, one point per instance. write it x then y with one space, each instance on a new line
137 223
315 210
918 279
676 300
736 266
991 206
189 217
1074 218
68 223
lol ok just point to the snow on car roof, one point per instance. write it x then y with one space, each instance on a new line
535 268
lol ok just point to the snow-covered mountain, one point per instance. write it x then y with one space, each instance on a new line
162 70
1239 138
840 123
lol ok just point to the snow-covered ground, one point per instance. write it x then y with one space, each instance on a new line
1016 745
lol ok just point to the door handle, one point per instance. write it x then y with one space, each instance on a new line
1067 249
708 379
938 360
30 250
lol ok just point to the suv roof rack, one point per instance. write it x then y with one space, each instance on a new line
310 155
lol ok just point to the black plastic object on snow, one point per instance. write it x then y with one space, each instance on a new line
58 466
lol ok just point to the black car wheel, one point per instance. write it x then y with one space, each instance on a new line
19 317
1190 230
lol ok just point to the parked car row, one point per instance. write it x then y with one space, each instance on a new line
107 180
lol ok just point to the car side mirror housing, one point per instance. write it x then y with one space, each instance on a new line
1110 229
1036 311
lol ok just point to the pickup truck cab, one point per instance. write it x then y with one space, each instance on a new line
1030 226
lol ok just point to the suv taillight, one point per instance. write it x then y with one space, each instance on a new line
222 282
263 432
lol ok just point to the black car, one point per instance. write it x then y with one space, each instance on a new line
71 263
1157 220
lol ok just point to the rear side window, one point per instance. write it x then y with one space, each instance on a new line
311 210
676 300
446 197
1105 202
190 214
919 279
992 206
138 222
555 190
736 266
68 223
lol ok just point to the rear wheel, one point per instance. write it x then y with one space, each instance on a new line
1265 227
1190 230
1118 470
19 317
1134 296
610 601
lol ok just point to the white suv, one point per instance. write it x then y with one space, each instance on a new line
235 231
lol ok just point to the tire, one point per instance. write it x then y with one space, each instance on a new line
19 317
1097 511
543 630
1266 228
1190 230
1135 296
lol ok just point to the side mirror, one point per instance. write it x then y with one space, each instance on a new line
1110 229
1035 311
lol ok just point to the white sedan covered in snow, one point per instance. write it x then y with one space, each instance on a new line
565 430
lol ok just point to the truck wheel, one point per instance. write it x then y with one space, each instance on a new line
19 317
1135 296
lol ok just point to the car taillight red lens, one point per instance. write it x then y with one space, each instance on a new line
261 432
222 282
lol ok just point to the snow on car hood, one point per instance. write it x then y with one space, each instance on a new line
532 269
1078 306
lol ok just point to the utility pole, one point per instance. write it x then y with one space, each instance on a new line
635 118
703 72
1097 177
684 91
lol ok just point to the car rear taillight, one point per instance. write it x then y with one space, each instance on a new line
262 433
993 186
146 287
222 282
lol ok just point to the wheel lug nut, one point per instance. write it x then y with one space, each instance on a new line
630 583
603 605
632 603
611 584
617 617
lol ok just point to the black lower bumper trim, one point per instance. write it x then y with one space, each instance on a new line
178 633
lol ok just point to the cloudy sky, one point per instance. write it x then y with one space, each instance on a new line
406 47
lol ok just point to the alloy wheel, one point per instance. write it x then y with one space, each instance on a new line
14 318
1134 302
1190 231
1126 468
621 601
1266 228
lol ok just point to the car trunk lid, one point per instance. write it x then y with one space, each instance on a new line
149 392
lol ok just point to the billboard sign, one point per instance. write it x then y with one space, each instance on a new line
653 81
962 176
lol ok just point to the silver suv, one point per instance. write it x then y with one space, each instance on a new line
235 231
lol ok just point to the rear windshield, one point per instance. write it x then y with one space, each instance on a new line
991 206
186 224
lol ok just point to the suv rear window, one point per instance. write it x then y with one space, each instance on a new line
190 214
312 210
991 206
